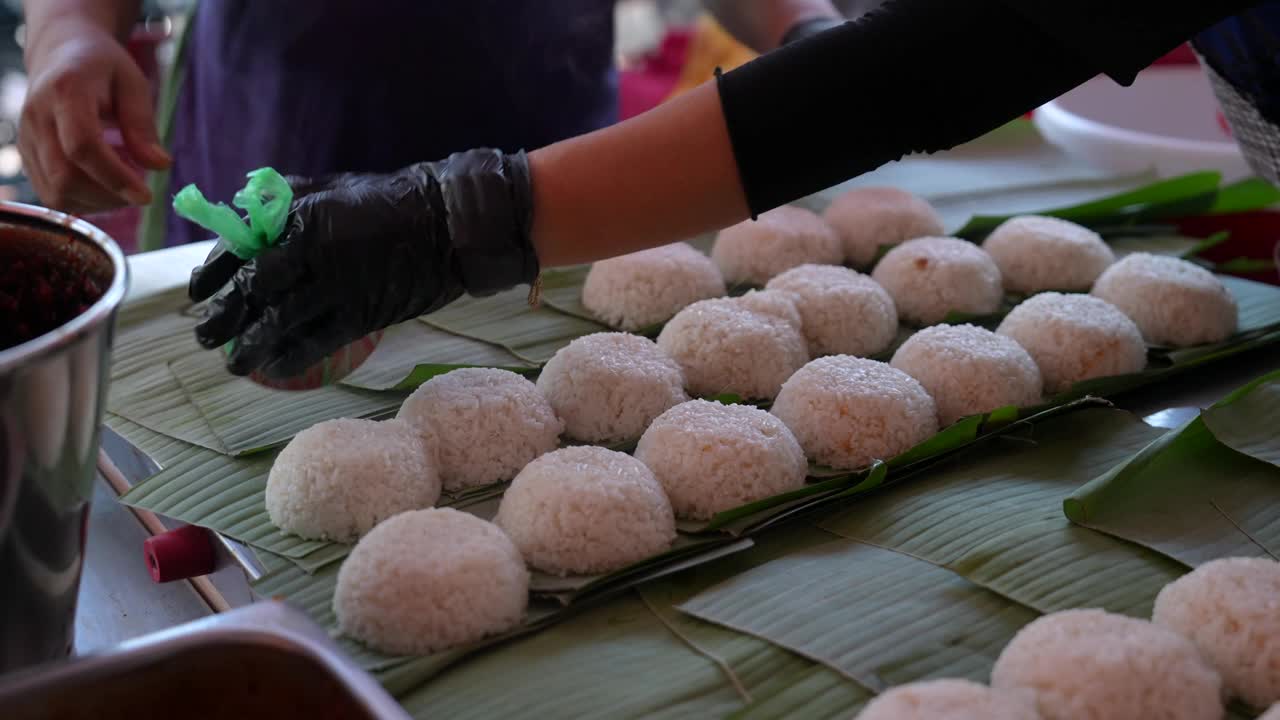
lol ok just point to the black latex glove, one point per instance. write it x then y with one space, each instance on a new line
361 252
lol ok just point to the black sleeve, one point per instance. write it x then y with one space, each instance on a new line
923 76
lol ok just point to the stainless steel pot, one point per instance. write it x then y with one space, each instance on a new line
52 388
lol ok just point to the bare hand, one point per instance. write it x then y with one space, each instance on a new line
76 84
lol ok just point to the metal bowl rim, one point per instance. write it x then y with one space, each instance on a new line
97 314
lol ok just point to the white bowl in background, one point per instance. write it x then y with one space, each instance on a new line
1168 120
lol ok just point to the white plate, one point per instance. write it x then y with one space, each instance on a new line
1168 120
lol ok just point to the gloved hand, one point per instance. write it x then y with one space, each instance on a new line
361 252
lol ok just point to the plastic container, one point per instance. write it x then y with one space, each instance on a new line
1168 120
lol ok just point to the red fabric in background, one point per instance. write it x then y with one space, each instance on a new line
655 76
1253 235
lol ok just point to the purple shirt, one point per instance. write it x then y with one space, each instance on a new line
342 85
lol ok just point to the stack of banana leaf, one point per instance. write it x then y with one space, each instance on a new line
808 603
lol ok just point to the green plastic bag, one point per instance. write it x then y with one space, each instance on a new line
265 199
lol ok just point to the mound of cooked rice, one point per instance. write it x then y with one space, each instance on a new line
339 478
1093 664
648 287
726 347
711 457
843 312
952 700
430 579
848 411
1036 253
483 423
1075 337
969 370
608 387
586 510
869 218
1172 301
753 251
930 277
777 303
1230 609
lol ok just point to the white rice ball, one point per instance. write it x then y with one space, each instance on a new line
844 312
1172 301
1036 253
933 276
646 288
485 424
711 457
1272 714
428 580
1230 609
339 478
950 700
969 370
726 347
608 387
848 411
1093 664
779 304
1075 337
586 510
869 218
753 251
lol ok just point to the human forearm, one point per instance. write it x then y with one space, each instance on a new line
761 24
49 22
656 178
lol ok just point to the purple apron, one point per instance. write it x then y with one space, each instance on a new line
350 85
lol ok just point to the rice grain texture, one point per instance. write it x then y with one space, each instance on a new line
726 347
848 411
870 218
1173 301
586 510
484 424
1097 665
608 387
843 312
1230 608
339 478
969 370
1037 253
952 700
428 580
1075 337
645 288
930 277
753 251
711 457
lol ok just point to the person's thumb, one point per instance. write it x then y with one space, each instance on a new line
136 117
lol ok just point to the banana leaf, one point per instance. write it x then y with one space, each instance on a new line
531 334
247 417
1192 194
993 516
1189 495
412 353
587 664
1249 421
